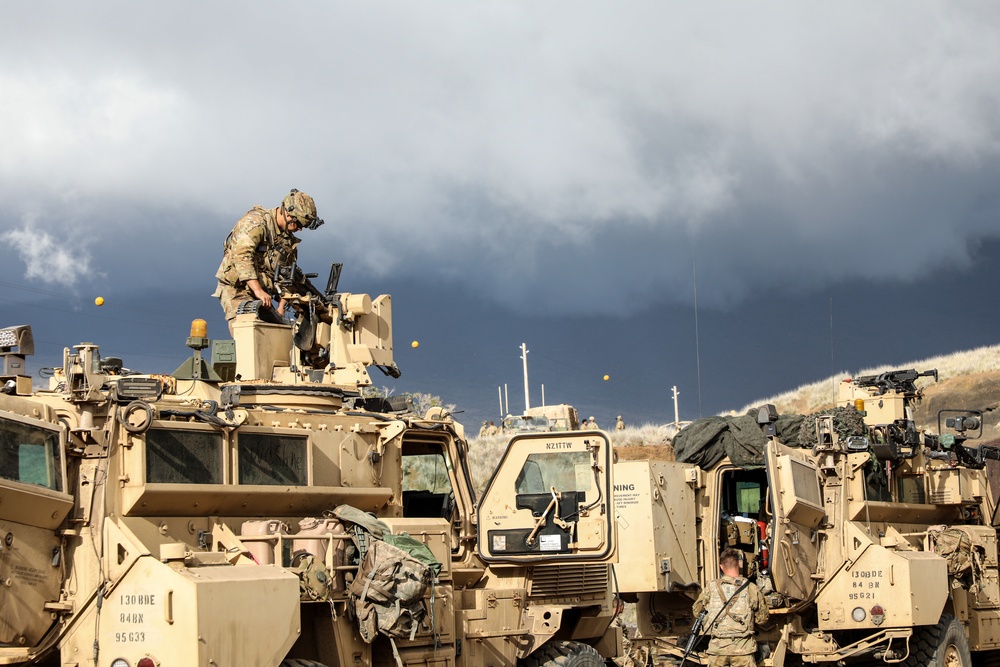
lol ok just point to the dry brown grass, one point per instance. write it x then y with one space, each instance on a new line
821 394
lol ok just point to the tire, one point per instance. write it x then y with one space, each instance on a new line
299 662
556 653
941 645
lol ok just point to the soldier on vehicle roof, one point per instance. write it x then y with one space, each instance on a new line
735 607
260 243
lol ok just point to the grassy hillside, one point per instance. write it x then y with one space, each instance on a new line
966 380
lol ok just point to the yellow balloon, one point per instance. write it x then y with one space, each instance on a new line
607 377
99 301
415 344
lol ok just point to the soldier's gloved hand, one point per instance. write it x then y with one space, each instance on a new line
265 299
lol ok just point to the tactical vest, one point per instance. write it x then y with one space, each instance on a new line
737 619
273 251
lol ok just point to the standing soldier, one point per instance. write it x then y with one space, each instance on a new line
260 243
734 608
592 424
484 430
619 424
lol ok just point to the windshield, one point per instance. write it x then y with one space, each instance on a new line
30 455
526 424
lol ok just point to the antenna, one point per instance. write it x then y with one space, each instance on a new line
697 340
833 369
677 416
524 358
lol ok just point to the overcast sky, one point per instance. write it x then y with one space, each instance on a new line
558 159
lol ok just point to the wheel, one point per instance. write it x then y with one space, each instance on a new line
941 645
564 654
299 662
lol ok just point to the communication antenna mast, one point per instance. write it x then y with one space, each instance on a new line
833 369
697 340
677 416
524 358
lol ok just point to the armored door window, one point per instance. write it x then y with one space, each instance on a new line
30 455
427 489
748 496
568 472
266 458
184 457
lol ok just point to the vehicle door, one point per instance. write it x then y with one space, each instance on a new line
797 505
550 498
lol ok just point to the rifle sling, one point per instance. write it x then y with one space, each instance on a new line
725 604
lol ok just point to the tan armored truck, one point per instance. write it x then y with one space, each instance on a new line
561 417
277 517
542 418
873 542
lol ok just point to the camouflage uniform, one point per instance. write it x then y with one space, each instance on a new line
253 250
619 424
733 641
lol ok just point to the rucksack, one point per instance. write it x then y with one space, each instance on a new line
389 588
955 545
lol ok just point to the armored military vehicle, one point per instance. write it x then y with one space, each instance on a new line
253 508
514 424
872 541
561 417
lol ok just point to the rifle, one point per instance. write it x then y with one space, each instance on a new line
696 633
693 637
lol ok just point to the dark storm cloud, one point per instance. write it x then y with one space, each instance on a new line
552 156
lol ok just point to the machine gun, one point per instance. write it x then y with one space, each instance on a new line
311 306
290 279
901 382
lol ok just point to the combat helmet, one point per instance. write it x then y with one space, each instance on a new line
302 208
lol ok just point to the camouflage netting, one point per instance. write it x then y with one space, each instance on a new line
707 441
846 422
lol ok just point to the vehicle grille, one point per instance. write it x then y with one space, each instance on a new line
558 581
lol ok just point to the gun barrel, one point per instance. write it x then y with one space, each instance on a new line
992 453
